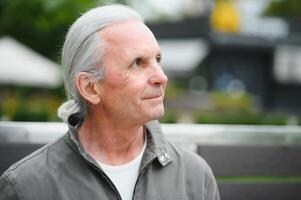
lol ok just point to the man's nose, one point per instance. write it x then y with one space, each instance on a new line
158 76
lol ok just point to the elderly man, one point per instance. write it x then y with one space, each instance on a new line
114 149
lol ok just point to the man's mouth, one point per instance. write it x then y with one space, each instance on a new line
154 96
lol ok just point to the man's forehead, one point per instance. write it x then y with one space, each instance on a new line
126 30
130 36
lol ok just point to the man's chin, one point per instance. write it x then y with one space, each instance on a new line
154 113
157 115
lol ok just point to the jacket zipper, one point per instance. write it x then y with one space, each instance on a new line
141 172
100 171
107 179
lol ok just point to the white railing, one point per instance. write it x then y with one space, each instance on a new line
187 135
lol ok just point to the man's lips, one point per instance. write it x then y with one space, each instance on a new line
155 96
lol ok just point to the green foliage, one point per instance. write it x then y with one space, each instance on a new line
232 108
230 101
169 117
257 178
284 8
40 24
239 117
24 113
173 88
30 104
1 112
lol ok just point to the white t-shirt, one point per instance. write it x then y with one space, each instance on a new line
125 176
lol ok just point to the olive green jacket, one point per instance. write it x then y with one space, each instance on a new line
62 170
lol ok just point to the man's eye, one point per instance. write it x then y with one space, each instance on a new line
137 62
158 58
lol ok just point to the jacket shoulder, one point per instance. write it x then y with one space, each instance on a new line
34 173
196 170
38 164
33 159
189 158
8 191
25 172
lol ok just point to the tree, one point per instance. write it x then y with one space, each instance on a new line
41 24
284 8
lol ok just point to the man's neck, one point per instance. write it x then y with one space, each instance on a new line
111 144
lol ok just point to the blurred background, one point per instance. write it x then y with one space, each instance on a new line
234 69
228 61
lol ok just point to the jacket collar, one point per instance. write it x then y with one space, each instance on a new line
156 144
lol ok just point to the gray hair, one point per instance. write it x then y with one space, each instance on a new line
83 51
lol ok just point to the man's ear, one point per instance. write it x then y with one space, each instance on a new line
87 88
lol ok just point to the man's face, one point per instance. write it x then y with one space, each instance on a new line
134 83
